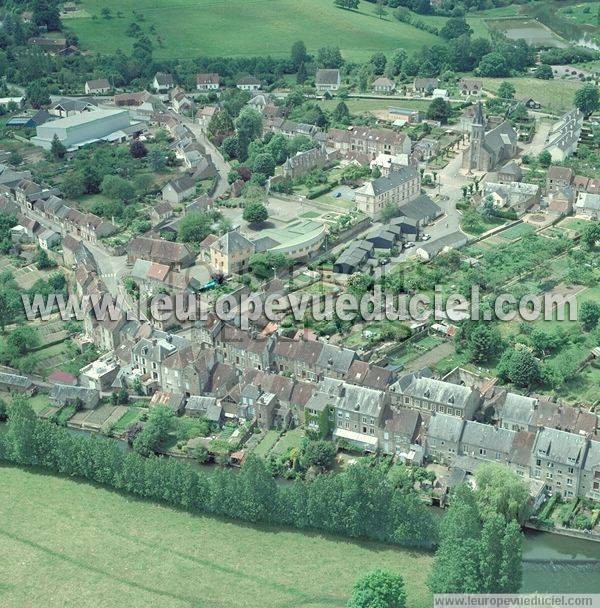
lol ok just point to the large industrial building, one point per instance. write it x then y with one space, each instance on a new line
79 130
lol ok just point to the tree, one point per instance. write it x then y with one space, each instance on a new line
545 158
329 57
20 435
390 211
340 112
42 260
439 109
500 490
347 4
137 149
298 54
506 90
220 127
117 188
378 61
589 315
248 127
484 343
157 160
57 149
37 94
255 213
201 454
587 99
492 64
359 283
544 72
265 265
591 235
301 76
378 589
319 454
154 432
519 366
264 163
455 27
194 227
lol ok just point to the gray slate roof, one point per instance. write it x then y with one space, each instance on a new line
488 437
560 446
445 428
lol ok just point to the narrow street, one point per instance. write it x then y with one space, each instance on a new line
220 163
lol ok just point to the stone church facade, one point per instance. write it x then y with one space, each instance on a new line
489 149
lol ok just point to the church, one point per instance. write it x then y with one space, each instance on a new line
488 150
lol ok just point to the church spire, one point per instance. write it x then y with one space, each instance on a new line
478 118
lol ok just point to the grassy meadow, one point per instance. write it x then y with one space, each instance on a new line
66 543
189 28
554 95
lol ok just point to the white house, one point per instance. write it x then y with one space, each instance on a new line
99 86
207 82
327 80
249 83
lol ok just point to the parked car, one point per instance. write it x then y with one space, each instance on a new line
409 245
425 237
384 261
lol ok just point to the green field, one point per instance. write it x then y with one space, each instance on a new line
361 105
585 12
554 95
189 28
65 543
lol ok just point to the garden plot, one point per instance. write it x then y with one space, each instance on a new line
95 419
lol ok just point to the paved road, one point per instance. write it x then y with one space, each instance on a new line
223 167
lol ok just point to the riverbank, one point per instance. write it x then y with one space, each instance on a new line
65 542
62 538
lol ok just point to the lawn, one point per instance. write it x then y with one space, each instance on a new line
290 439
191 28
266 443
132 415
359 105
554 95
585 13
91 547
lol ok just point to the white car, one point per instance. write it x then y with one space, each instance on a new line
409 245
425 237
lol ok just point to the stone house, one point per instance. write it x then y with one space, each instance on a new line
231 253
174 255
429 395
177 190
305 162
557 460
402 184
443 437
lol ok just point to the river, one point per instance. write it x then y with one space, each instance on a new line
560 564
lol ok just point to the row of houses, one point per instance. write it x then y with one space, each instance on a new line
279 382
39 204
